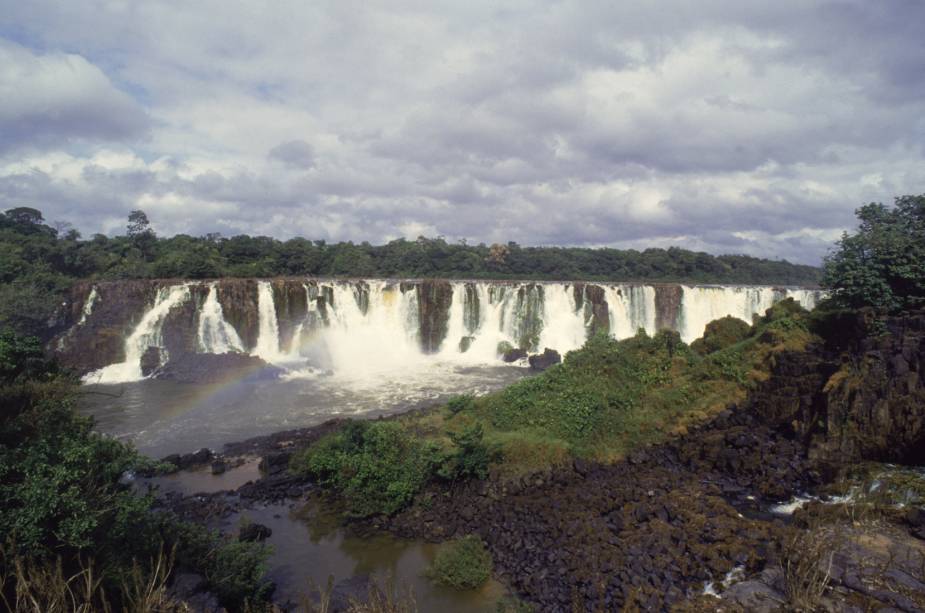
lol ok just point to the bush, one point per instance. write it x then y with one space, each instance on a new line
460 403
720 334
471 458
64 503
377 466
462 564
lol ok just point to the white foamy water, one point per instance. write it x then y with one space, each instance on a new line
146 334
215 335
370 330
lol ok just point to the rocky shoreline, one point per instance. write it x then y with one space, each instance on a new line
686 524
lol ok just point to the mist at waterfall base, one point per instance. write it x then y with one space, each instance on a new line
357 351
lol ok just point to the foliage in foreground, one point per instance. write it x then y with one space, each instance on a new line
64 501
883 264
462 564
377 466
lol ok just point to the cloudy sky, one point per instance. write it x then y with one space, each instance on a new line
727 126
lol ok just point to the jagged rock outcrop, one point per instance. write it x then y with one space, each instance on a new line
862 400
547 359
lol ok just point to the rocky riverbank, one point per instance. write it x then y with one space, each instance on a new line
689 524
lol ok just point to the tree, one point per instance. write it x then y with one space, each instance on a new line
141 234
25 215
883 264
138 224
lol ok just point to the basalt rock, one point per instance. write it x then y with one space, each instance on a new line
254 533
216 368
592 300
434 298
290 298
542 361
100 340
238 298
667 306
866 402
151 360
646 534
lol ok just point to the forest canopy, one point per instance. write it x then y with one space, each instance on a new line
38 261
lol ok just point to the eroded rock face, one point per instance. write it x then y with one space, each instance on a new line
667 306
863 401
290 298
238 298
592 300
434 298
100 340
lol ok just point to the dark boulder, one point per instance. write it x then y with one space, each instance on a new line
216 368
150 361
549 357
253 533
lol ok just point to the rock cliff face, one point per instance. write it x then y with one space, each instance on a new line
667 306
99 338
291 301
434 298
592 299
238 298
861 399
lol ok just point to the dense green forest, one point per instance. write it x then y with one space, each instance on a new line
38 262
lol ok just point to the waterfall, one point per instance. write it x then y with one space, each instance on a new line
702 304
88 306
564 325
456 323
383 339
267 347
630 307
215 335
368 328
146 334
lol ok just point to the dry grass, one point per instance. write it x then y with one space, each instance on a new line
44 586
806 561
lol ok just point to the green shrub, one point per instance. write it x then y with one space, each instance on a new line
720 334
63 495
460 403
461 564
471 457
377 466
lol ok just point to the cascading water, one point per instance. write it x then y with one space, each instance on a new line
88 306
564 324
215 335
703 304
366 328
630 307
267 347
146 334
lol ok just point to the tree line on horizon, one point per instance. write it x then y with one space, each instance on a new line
39 261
